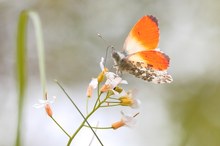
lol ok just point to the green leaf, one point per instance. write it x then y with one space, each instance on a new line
21 61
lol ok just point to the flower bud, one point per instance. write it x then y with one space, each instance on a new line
89 91
118 89
92 85
117 125
48 110
125 121
105 88
102 75
126 101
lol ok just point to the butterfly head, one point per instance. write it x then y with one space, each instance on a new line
118 56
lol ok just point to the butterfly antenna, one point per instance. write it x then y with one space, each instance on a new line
109 46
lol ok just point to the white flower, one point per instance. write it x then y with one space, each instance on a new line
127 99
125 121
111 75
94 82
112 81
46 104
43 102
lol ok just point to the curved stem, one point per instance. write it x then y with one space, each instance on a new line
21 60
40 47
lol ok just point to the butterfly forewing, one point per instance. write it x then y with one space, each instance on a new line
143 36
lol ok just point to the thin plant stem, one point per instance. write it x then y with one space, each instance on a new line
93 136
110 105
113 102
60 127
99 95
99 127
87 106
114 98
85 118
98 92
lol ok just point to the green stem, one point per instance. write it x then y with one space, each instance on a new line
80 127
99 95
87 106
60 127
99 127
113 102
85 118
110 105
114 98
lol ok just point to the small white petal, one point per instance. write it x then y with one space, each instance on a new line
51 101
42 102
110 75
102 64
124 82
116 81
128 120
136 103
94 83
38 105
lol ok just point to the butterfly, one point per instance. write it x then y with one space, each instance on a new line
140 55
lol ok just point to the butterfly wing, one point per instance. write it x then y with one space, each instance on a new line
153 59
149 65
143 36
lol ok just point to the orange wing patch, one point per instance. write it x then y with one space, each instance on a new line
143 36
146 32
153 59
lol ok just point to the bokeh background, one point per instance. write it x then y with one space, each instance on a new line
184 113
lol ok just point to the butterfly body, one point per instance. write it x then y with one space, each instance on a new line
140 56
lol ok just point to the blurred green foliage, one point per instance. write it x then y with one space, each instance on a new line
195 107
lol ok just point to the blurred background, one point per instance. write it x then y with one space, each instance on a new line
183 113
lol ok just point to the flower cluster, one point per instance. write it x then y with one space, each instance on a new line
115 95
109 94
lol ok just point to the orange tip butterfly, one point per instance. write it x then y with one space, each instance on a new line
140 56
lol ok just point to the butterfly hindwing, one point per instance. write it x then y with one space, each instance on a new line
153 59
150 66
